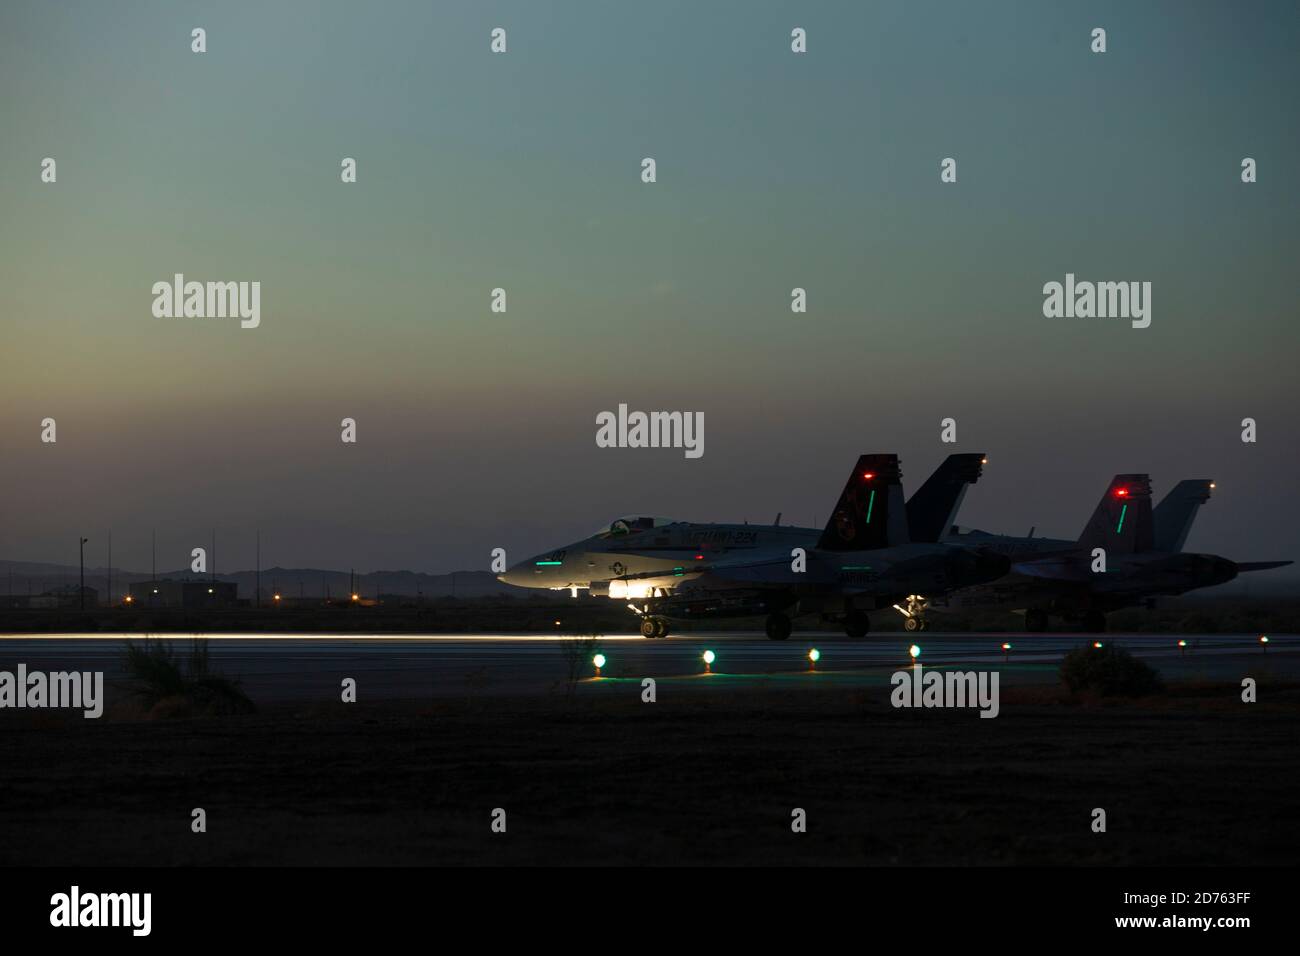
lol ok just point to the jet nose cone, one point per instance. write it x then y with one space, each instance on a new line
514 576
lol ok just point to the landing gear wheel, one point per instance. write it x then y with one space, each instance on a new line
1035 620
649 627
914 612
1094 622
857 624
662 628
778 626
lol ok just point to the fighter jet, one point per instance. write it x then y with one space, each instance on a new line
1128 554
632 546
864 559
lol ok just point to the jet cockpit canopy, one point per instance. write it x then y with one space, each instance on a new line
631 524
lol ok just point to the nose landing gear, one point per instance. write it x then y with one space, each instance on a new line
914 613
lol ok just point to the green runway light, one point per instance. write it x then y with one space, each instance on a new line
1263 638
709 657
814 655
1097 645
541 563
599 661
871 503
915 651
1122 512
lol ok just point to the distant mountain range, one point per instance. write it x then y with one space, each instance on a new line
29 577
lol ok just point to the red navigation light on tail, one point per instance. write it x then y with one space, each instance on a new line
869 513
1122 523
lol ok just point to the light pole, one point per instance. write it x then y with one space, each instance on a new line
82 593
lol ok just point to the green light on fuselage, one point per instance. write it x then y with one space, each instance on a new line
1122 512
540 563
871 503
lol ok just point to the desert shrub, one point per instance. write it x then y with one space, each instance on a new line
159 678
1110 671
577 652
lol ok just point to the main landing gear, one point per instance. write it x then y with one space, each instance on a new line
778 626
857 624
654 627
914 613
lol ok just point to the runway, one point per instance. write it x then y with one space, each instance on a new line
275 668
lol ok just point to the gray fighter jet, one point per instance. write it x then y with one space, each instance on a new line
1127 555
866 558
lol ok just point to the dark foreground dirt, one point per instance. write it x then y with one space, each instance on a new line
1195 777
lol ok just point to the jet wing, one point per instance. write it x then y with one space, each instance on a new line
772 571
775 573
740 568
1059 569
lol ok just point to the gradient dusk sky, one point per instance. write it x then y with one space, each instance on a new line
775 170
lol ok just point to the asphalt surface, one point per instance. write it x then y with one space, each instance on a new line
312 667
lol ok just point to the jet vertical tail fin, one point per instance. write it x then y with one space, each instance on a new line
1177 510
870 513
932 509
1122 523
